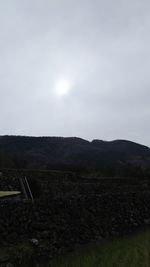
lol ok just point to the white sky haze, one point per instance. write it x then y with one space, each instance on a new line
75 68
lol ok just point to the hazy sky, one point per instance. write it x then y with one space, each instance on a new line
75 68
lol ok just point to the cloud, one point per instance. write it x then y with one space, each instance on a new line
101 46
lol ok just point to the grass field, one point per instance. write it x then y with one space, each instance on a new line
8 193
132 251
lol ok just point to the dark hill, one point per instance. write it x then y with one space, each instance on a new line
59 152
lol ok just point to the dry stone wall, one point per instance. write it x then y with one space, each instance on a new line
62 223
69 210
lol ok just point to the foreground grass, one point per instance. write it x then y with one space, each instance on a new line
133 251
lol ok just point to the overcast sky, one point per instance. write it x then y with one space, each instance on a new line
75 68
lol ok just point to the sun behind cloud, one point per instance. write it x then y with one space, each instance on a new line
62 87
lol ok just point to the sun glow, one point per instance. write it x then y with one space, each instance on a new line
62 87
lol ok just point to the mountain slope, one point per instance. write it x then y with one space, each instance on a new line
44 152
